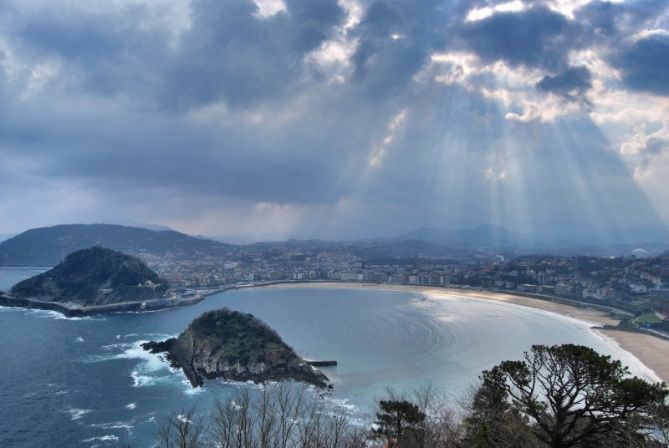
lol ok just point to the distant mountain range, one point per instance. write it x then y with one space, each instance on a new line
611 242
47 246
477 237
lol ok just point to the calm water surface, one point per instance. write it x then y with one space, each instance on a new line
86 382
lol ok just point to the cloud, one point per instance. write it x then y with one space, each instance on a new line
617 20
224 53
487 11
230 55
394 41
328 118
655 147
570 84
646 146
645 65
536 37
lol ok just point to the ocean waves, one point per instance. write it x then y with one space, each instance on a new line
149 370
77 414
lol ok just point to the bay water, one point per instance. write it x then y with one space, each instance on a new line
85 382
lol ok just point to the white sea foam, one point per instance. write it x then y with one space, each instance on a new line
64 317
9 308
113 425
139 380
132 350
80 339
47 313
60 316
105 438
151 369
182 418
77 414
190 390
151 362
116 346
131 406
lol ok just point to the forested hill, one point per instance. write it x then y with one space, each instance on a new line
94 276
235 346
48 246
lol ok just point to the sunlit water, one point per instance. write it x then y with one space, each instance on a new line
86 382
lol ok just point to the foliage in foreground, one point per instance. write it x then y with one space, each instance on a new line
561 396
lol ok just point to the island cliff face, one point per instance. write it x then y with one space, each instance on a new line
235 346
95 276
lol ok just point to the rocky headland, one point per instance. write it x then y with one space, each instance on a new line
235 346
92 277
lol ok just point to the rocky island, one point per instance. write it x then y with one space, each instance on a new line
235 346
90 280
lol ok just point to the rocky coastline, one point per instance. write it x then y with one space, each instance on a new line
76 310
235 346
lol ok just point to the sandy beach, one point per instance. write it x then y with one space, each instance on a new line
652 351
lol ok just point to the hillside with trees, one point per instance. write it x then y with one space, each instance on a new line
235 346
563 396
94 276
48 246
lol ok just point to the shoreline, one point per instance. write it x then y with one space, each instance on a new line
651 351
74 310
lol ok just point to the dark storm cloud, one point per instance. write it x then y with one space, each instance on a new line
240 160
395 40
227 54
125 114
537 37
103 53
616 20
645 65
230 54
644 62
570 84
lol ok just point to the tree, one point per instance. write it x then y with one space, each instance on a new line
491 422
280 417
661 421
184 430
400 422
440 428
577 397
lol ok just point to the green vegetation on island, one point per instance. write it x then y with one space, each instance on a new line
94 276
235 346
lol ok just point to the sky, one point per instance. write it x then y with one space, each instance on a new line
335 118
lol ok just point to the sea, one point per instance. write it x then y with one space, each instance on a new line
86 382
